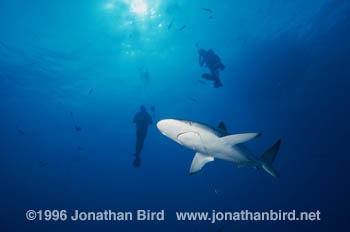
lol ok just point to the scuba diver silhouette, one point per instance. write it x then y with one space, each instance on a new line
142 120
213 62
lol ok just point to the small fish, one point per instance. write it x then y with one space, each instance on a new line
5 46
19 130
77 128
90 91
214 189
211 17
202 82
42 163
170 25
192 99
207 10
182 28
80 148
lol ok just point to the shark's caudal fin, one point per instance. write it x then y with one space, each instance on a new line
268 157
199 161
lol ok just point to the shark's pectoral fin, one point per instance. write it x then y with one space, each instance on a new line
199 161
238 138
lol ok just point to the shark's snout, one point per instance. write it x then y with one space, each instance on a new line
164 127
161 125
169 127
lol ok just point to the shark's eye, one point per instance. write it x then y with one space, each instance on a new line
188 123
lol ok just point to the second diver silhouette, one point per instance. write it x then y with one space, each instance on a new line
142 120
213 63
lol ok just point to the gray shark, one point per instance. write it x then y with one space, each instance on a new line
211 143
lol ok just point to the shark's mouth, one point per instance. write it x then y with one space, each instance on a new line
182 133
192 140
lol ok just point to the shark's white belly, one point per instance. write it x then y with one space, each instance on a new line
204 143
196 140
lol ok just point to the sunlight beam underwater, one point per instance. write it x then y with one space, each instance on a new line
139 7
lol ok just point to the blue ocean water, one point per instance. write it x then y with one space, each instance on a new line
77 63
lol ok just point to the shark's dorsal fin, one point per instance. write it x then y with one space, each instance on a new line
222 126
238 138
199 161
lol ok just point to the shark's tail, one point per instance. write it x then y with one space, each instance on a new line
268 157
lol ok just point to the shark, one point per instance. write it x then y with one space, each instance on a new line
212 143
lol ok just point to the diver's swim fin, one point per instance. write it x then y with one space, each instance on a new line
137 161
217 84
